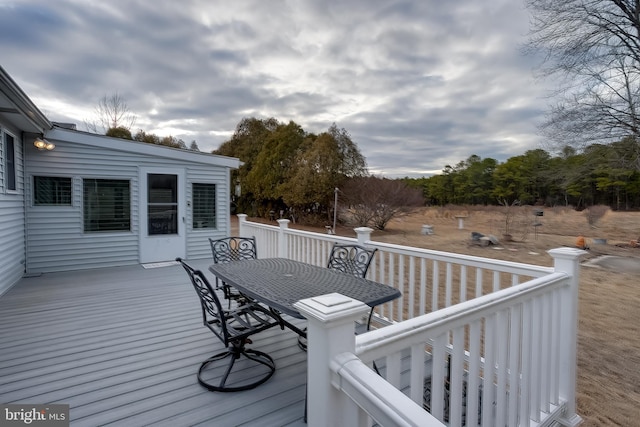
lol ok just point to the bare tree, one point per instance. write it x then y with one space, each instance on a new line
375 201
593 48
111 112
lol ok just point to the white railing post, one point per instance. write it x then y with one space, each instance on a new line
242 218
364 234
283 249
566 260
330 331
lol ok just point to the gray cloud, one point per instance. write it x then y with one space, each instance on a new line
418 84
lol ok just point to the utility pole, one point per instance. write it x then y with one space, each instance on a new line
335 209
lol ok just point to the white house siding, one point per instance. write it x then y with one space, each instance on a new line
198 239
55 237
12 249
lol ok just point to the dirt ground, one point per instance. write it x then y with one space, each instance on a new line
608 373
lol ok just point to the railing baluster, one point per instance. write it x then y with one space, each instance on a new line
412 289
372 273
423 285
456 369
536 360
515 279
309 252
417 373
546 349
382 278
488 394
502 346
554 371
393 369
392 281
463 283
473 378
448 285
515 338
435 285
400 284
479 290
496 281
437 376
301 248
527 371
292 247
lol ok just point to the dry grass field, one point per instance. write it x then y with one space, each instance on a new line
609 324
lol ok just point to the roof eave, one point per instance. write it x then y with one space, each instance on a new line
101 141
37 121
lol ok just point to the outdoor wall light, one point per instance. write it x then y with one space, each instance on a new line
43 144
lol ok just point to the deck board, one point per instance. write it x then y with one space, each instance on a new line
122 346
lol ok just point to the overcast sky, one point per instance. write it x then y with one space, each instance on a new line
418 84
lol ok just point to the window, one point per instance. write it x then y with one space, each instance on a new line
162 204
204 205
10 162
107 205
51 190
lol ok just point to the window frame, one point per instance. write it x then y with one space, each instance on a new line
86 220
195 218
9 169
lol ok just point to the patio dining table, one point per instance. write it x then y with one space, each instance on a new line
279 283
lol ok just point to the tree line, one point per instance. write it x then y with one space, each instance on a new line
600 174
288 172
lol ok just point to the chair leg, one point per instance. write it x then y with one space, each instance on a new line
375 367
302 341
369 319
236 352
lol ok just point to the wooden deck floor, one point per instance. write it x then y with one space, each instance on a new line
122 346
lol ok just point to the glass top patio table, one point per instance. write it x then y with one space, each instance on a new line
279 283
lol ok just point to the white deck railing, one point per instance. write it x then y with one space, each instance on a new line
500 347
500 360
429 280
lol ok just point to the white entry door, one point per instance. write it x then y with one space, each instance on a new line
162 215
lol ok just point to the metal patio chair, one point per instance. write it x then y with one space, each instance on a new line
233 328
232 249
354 260
351 259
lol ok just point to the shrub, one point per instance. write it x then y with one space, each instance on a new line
595 214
